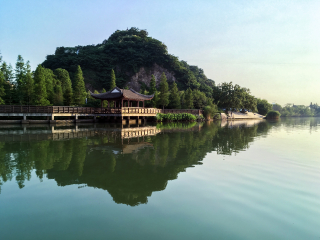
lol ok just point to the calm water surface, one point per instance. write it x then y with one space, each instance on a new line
238 180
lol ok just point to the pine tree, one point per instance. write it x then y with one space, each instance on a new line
113 80
66 85
189 99
20 73
50 82
40 87
164 91
79 88
29 88
9 86
58 94
183 100
174 97
153 90
2 93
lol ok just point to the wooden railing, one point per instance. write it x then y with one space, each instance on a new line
90 110
25 109
137 110
86 110
73 110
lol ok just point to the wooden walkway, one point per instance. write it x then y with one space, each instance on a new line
66 111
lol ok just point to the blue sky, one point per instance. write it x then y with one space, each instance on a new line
271 47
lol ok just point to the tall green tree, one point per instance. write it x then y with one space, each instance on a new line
174 98
50 79
9 86
153 90
58 94
229 96
183 99
164 91
189 99
79 88
263 106
2 92
40 87
112 80
29 88
199 99
7 72
63 76
20 73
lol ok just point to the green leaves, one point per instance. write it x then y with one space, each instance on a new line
113 80
127 51
169 117
40 87
2 92
174 97
164 91
79 88
188 99
229 96
62 75
263 106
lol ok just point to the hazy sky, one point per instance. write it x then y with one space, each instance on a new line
271 47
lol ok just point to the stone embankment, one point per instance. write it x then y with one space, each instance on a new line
239 115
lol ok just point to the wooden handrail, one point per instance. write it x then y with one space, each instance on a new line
90 110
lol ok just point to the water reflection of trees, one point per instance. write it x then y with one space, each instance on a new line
130 172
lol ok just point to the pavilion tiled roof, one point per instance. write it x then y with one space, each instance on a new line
118 93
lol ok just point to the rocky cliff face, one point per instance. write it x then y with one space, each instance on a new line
144 76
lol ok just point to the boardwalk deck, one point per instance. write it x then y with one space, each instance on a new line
66 111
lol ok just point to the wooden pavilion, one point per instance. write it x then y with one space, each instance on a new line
122 98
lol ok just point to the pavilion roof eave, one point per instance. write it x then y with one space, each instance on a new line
122 94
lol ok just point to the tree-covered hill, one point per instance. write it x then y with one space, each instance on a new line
135 57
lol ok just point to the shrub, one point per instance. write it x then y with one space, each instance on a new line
200 117
217 116
273 114
209 111
170 117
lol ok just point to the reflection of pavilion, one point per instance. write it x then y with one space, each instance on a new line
117 159
56 133
139 132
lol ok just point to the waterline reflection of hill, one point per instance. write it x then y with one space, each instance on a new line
130 169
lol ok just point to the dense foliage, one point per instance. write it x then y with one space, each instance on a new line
273 114
80 160
170 117
263 106
234 97
126 52
291 110
164 91
211 111
42 87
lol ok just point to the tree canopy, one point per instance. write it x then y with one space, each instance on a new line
79 88
126 51
164 91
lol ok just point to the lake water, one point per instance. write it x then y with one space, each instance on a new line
237 180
